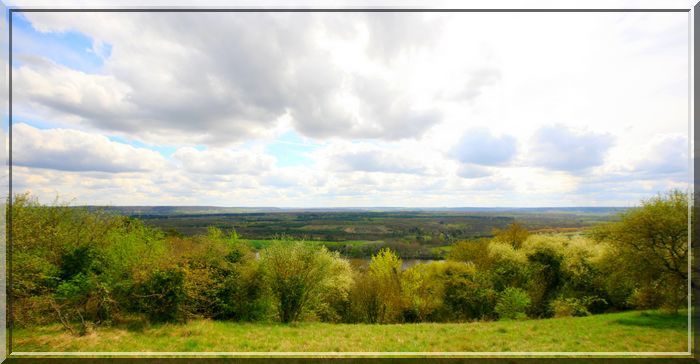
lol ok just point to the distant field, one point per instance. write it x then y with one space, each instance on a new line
264 243
635 331
361 234
430 229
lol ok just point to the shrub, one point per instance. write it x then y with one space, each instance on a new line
244 295
205 267
423 287
299 277
512 303
161 296
544 264
572 306
385 270
365 304
508 266
51 246
469 294
81 260
646 297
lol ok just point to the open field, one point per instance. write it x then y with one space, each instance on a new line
635 331
413 234
424 226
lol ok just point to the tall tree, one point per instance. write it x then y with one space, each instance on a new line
653 240
515 234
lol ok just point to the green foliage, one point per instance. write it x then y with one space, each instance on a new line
545 280
476 252
514 235
653 243
160 297
508 267
244 294
58 263
300 277
385 270
84 268
423 287
512 303
365 302
563 307
469 294
81 260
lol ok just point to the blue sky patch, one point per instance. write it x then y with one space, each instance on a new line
164 150
291 149
71 49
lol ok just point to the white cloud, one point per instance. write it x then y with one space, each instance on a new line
431 109
561 148
378 161
72 150
177 78
222 161
667 154
473 171
479 146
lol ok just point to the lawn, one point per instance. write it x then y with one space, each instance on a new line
636 331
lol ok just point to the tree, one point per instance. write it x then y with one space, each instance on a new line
385 269
546 278
515 234
653 241
365 302
423 288
300 276
468 292
476 252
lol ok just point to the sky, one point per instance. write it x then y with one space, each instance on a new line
350 109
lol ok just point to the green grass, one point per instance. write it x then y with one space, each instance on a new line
650 331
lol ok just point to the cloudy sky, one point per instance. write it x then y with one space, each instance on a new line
350 109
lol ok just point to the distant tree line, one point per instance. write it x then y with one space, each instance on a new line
84 268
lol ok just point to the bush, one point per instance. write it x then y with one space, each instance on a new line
508 267
51 246
577 307
545 265
385 270
565 307
423 287
244 296
78 266
646 297
365 303
161 296
300 277
469 294
512 303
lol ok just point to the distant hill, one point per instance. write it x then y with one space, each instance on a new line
217 210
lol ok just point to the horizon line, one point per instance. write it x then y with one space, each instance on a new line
361 207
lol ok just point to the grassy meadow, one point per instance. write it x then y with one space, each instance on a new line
634 331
